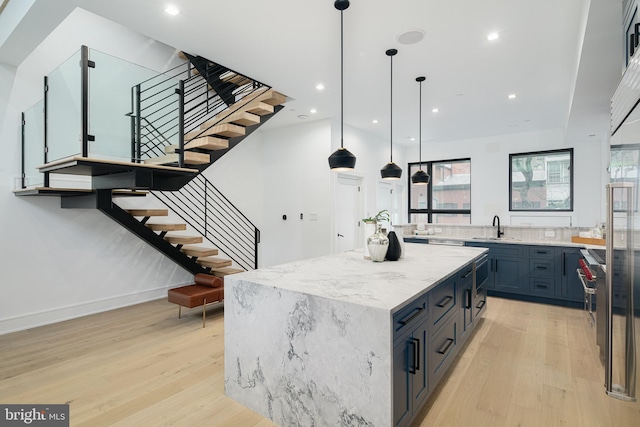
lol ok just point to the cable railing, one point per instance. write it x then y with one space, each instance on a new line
201 205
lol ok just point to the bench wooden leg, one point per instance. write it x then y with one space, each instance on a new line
204 312
179 311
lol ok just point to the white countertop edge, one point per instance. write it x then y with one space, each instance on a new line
349 278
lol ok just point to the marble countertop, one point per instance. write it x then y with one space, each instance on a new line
348 277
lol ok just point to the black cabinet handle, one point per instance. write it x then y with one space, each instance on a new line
445 301
468 291
541 286
467 274
412 365
564 263
444 349
542 252
541 267
416 354
407 320
481 304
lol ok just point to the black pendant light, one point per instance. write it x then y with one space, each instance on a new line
342 159
420 177
391 170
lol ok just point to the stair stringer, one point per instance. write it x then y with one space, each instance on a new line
136 227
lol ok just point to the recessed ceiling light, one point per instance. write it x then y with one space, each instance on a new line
320 86
374 121
313 111
172 10
411 36
435 110
512 96
410 138
303 117
493 36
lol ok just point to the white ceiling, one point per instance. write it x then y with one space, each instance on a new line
561 57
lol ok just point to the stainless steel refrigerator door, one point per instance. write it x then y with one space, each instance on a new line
620 344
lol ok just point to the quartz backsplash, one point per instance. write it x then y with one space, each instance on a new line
524 233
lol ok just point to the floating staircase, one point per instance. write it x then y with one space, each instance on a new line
217 108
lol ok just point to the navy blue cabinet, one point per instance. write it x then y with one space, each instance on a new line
410 374
425 342
571 286
466 298
507 269
410 352
543 277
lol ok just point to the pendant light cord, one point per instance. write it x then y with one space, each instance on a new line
420 128
341 81
391 119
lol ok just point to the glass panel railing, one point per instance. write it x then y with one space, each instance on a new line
33 154
113 109
63 110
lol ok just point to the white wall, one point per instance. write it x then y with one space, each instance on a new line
490 173
57 264
284 171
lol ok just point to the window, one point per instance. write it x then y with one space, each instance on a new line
541 181
447 198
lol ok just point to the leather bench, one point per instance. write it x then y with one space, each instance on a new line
206 289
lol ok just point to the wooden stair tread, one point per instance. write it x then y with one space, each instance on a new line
242 118
190 158
226 129
235 78
271 97
260 108
214 262
207 143
225 271
148 212
183 240
199 251
166 227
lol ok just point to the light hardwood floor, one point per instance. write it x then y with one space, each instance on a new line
526 365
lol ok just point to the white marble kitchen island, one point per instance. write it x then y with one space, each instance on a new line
311 342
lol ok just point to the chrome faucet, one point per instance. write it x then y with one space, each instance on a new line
500 233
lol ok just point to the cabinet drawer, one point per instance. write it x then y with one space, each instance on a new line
443 300
479 302
542 252
442 349
408 316
543 287
465 276
542 268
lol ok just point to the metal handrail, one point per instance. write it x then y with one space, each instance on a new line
201 205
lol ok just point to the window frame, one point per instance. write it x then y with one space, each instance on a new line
429 211
625 147
536 154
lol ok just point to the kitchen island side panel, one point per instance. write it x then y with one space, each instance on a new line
303 360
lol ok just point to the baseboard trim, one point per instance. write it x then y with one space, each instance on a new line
60 314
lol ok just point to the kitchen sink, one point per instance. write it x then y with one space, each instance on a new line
512 239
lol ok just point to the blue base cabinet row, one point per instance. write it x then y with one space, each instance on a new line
427 335
542 272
